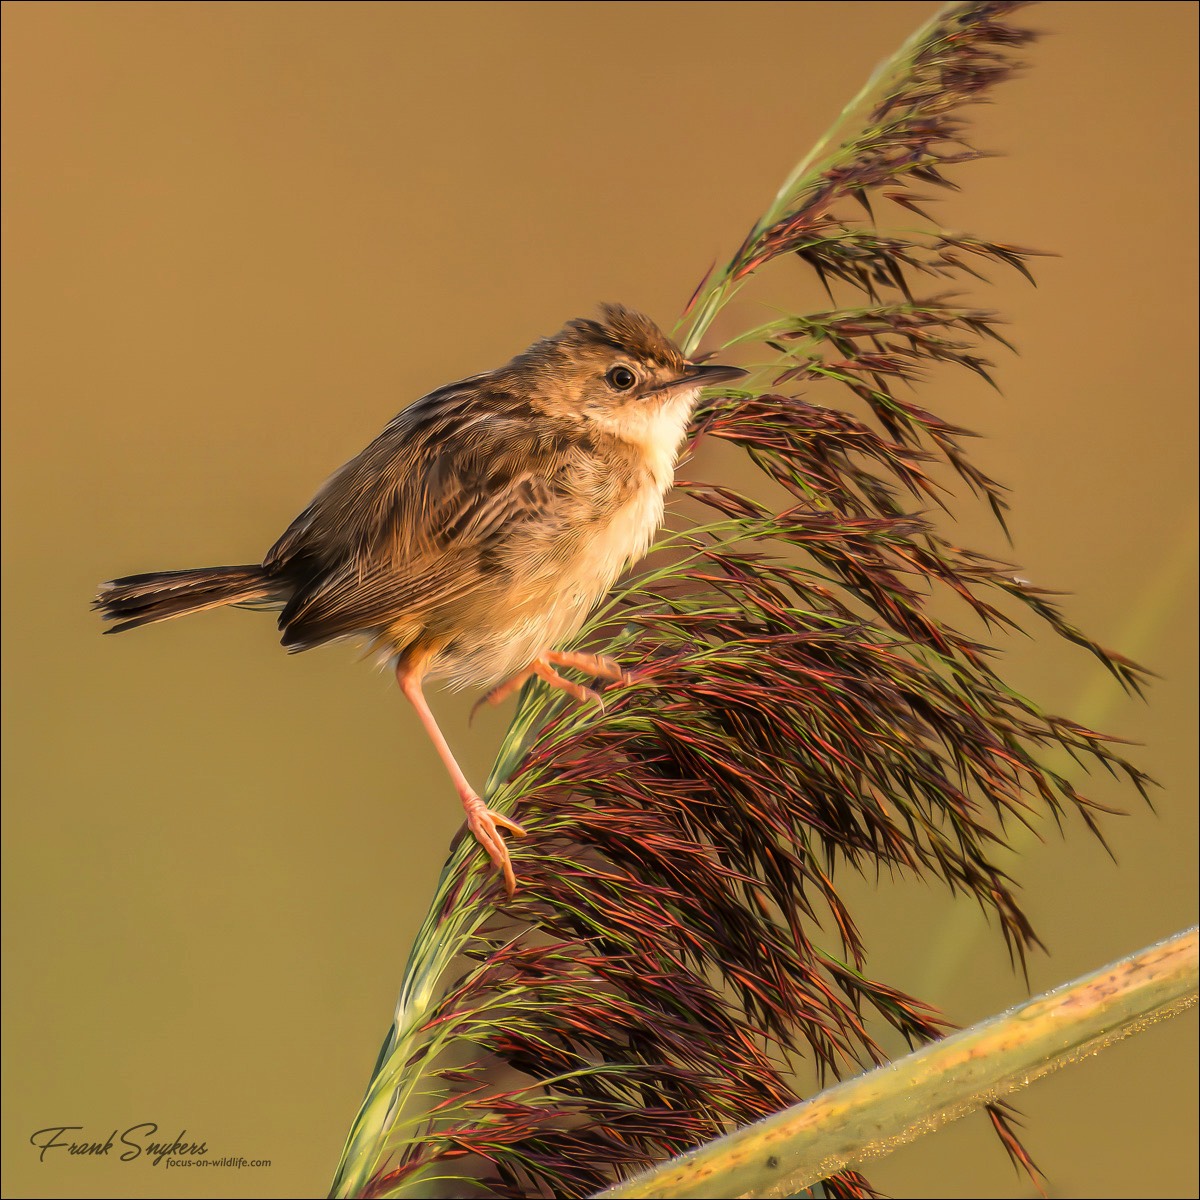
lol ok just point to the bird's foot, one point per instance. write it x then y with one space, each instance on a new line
543 670
485 824
598 666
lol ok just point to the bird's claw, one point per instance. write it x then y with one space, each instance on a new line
485 823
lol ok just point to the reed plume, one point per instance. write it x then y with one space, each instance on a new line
800 704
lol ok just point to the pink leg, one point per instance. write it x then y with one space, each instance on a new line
481 820
501 691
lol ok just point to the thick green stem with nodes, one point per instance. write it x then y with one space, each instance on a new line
875 1113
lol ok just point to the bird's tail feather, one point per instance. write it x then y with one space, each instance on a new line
158 596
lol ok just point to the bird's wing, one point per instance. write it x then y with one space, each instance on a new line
419 518
341 518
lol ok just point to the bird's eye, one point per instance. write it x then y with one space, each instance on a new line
620 379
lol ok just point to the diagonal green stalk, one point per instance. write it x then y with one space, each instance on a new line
447 927
875 1113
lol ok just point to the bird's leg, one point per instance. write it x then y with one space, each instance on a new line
501 691
481 820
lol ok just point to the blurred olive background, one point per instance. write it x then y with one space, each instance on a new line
237 239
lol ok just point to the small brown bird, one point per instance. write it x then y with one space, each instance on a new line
479 529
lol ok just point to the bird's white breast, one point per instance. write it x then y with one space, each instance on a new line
558 589
658 433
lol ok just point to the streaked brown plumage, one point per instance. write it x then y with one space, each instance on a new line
480 528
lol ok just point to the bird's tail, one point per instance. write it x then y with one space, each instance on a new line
143 599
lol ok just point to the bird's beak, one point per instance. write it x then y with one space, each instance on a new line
699 375
710 374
